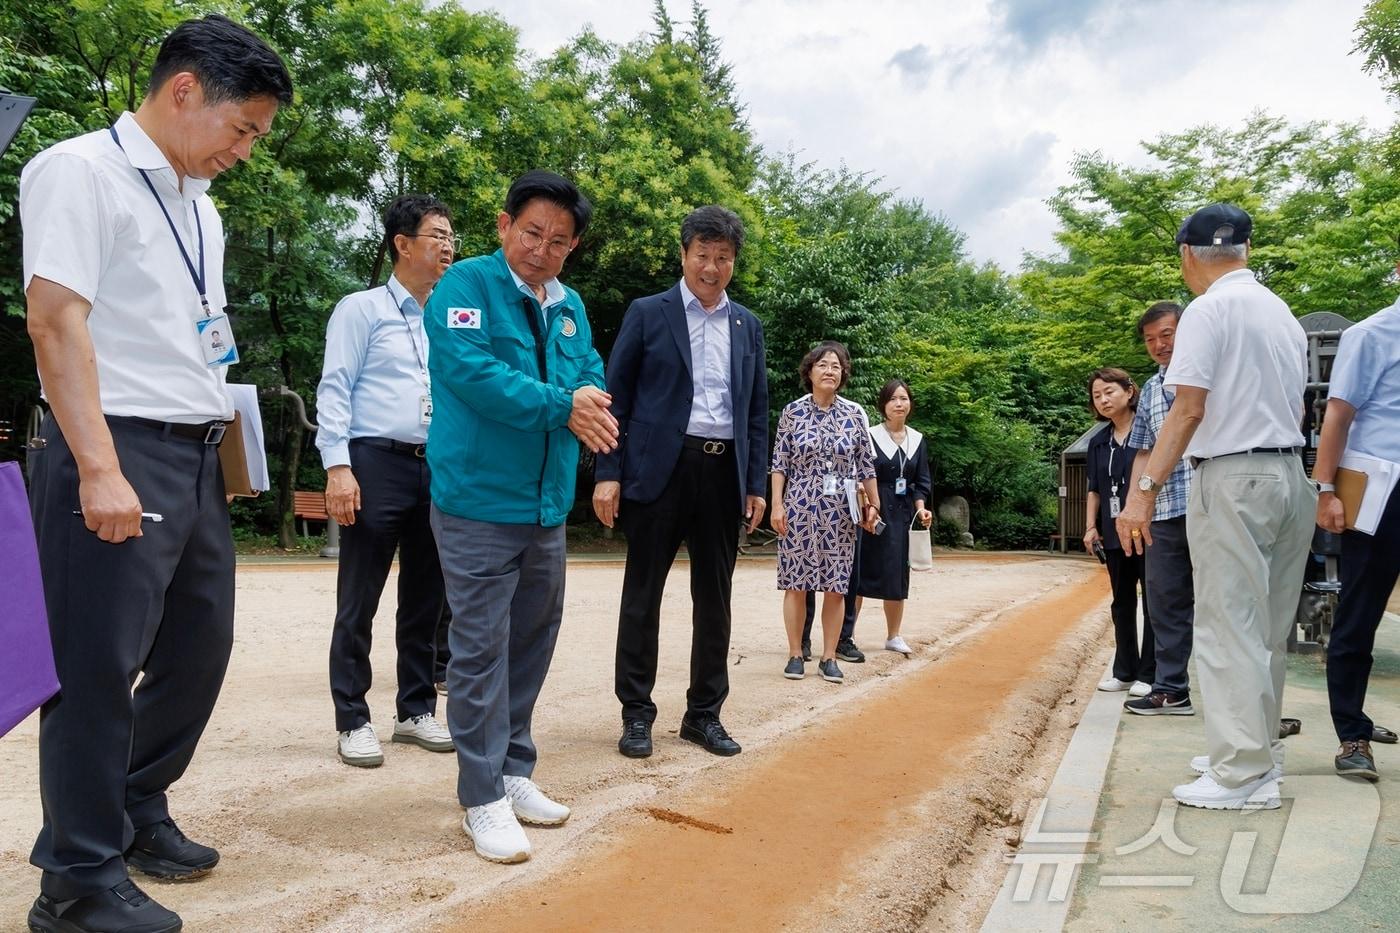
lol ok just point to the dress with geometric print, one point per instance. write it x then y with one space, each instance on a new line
819 548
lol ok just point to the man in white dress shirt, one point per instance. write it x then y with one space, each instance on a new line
1239 368
123 276
373 407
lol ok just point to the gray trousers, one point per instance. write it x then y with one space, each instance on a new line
158 607
505 586
1250 519
1171 598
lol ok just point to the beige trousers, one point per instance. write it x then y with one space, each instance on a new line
1250 523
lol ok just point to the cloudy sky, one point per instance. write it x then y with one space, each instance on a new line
976 107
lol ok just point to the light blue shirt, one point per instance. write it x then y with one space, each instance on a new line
1366 375
375 374
712 404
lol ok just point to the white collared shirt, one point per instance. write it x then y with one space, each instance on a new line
1240 342
553 290
375 374
712 399
91 225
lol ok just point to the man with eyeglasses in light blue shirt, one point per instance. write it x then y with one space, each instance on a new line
374 405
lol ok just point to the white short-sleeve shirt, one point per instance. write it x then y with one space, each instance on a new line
91 225
1240 342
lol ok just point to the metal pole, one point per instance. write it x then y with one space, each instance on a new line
332 548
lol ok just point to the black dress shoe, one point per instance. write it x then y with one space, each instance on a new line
124 908
636 738
162 851
806 651
709 733
1382 734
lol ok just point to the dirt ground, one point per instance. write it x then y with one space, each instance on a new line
881 804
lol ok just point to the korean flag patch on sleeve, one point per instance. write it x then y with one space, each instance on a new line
464 317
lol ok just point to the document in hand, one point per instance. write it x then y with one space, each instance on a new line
242 453
1374 492
27 675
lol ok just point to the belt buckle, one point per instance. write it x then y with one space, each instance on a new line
421 451
215 435
714 448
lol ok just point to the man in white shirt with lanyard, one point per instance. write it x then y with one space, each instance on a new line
1239 369
123 272
373 408
1363 417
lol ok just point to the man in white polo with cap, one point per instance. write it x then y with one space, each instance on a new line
1239 369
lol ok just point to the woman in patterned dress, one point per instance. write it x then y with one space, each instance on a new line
821 444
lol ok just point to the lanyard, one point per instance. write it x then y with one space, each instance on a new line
903 461
412 337
1113 447
196 275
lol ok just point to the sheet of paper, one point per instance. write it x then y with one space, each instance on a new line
1381 477
245 400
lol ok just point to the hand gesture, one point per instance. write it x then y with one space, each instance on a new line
591 421
111 508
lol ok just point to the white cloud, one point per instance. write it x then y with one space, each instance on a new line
976 108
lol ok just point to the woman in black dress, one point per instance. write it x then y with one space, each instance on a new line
902 474
1113 398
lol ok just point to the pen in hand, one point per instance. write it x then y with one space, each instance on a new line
154 517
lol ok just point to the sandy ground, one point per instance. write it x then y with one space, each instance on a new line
878 804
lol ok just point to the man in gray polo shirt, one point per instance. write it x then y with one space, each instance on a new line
1239 368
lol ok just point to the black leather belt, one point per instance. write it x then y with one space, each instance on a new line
399 447
1288 451
707 445
209 432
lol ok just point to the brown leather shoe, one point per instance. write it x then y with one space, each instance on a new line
1354 760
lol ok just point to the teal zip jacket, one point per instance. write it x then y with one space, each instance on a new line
499 447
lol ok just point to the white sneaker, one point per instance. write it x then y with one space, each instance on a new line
495 832
1113 685
1261 794
898 644
1139 689
530 803
423 731
1201 765
360 747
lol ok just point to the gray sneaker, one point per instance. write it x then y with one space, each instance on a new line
795 669
830 672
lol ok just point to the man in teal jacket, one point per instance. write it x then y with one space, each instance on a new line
516 386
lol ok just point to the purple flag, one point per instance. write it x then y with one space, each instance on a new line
27 675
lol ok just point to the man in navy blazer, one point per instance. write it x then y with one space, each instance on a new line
689 386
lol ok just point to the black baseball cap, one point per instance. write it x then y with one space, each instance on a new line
1216 225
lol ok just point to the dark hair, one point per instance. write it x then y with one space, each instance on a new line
230 61
804 369
1155 313
887 392
553 188
405 214
1119 378
713 224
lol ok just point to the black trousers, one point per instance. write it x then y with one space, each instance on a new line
1130 662
1169 600
394 501
1370 567
848 618
159 607
698 507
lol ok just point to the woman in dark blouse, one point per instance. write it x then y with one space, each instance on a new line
902 475
1113 398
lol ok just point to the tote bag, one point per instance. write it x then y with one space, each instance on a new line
920 547
27 675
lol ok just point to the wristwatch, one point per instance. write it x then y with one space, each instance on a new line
1148 484
1326 487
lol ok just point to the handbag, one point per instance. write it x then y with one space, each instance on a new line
27 676
920 547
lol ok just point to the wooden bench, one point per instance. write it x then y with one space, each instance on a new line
309 507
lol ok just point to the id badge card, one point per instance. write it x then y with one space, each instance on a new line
216 340
1114 506
900 486
829 484
425 409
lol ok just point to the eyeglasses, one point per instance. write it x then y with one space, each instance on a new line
533 241
828 367
450 239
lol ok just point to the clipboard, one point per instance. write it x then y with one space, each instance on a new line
14 108
1351 489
